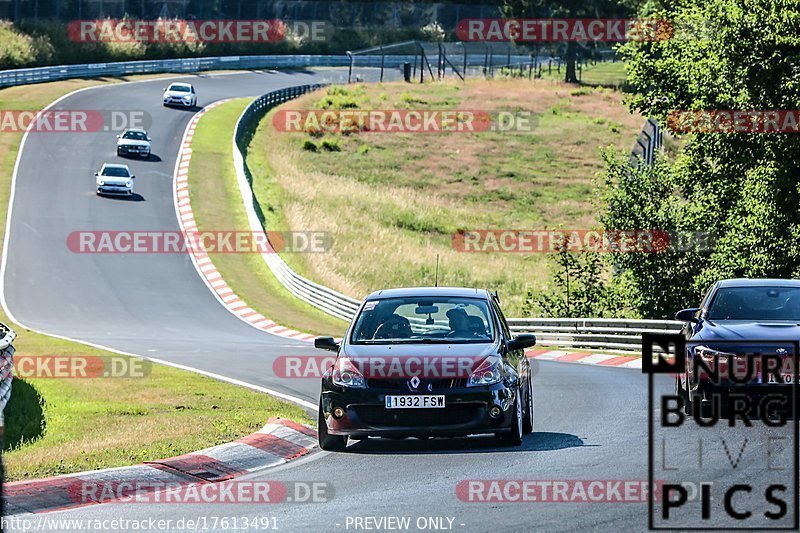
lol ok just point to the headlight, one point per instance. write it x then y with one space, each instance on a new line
129 184
345 374
101 182
489 372
710 355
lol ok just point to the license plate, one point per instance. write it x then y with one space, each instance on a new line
415 401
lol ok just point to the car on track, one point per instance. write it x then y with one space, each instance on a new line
736 320
133 142
427 362
114 179
180 94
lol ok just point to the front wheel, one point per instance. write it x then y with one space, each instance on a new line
527 421
682 393
513 437
331 443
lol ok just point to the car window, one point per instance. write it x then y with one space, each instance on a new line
502 319
115 172
756 303
135 135
179 88
423 319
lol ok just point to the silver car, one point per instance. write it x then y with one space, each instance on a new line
181 94
133 142
114 179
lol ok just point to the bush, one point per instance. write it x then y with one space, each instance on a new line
331 145
309 146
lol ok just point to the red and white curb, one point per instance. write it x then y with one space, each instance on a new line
276 443
201 259
583 358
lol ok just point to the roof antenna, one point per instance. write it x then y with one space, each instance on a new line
436 280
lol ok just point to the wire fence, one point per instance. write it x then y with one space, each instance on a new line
6 366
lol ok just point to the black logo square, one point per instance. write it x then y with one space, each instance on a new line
670 343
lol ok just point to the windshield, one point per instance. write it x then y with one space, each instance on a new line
116 172
135 135
422 320
179 88
756 303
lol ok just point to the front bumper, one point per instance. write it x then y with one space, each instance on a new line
111 189
177 101
466 412
133 150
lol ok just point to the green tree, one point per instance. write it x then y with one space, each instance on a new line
743 187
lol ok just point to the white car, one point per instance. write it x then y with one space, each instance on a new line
114 179
181 94
134 142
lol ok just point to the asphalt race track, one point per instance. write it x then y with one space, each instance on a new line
591 422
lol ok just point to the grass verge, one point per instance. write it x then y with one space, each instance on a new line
397 199
217 206
57 426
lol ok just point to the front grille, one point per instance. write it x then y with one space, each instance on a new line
402 384
378 415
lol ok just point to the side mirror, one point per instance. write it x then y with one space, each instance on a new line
522 341
688 315
326 343
148 138
119 136
96 173
133 177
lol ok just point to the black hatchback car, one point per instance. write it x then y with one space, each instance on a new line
427 362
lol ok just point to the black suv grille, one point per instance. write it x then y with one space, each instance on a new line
378 415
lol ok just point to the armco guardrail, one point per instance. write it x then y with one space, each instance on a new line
6 365
26 76
328 300
608 334
589 333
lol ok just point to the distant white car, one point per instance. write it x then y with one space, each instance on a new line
133 142
182 94
114 179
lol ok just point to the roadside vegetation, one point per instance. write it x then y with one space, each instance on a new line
740 187
58 426
393 201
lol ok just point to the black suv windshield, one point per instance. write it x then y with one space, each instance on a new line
756 303
423 320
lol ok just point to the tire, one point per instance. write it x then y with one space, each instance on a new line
513 437
527 420
330 443
681 392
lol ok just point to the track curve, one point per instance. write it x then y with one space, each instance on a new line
591 422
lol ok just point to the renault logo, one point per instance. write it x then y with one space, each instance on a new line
413 382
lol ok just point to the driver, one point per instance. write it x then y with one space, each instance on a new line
459 323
